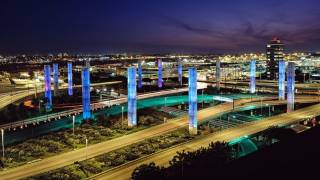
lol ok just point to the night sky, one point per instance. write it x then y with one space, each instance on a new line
157 26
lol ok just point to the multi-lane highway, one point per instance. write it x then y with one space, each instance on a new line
94 106
107 146
162 158
10 97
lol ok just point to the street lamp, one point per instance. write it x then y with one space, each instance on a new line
202 99
122 108
269 109
261 105
73 121
86 148
2 140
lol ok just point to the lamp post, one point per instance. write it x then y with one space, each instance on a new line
122 108
86 148
2 140
269 110
73 122
202 99
261 105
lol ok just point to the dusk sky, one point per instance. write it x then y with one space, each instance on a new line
157 26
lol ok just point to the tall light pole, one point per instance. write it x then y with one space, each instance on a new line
86 148
122 108
269 109
73 122
261 105
2 140
202 99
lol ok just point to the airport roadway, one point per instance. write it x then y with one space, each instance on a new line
162 158
10 97
67 158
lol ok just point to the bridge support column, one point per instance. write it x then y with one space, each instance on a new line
253 76
47 87
86 93
132 97
282 69
70 83
290 86
193 122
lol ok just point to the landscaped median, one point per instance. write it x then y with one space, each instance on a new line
105 128
107 161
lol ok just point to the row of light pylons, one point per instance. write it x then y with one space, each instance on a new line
47 83
281 82
132 93
85 77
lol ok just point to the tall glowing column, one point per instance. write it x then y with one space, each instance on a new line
290 86
132 97
253 76
218 74
180 72
70 83
139 76
47 87
193 122
282 69
86 93
160 81
55 79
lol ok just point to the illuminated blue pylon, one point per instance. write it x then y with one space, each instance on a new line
160 80
70 83
282 72
139 75
132 97
86 93
180 72
55 79
253 76
47 87
193 122
290 86
218 74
